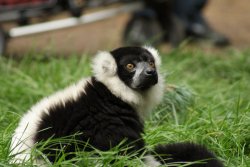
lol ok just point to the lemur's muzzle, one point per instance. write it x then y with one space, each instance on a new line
145 76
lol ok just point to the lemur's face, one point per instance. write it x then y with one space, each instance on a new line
136 67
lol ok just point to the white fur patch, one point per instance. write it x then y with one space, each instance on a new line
150 161
23 137
151 98
104 65
155 54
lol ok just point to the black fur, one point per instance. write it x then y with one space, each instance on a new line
186 152
135 55
102 119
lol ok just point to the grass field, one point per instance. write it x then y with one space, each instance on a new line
212 106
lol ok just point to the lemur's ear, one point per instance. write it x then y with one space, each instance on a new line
155 54
104 64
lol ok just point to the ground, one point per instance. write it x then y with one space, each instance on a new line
229 17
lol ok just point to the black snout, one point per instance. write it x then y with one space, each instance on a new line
150 72
148 78
145 76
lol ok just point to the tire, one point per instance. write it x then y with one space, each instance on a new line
142 29
2 41
76 7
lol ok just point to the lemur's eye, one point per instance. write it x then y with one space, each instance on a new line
130 66
152 64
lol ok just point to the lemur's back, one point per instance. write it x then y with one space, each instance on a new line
96 117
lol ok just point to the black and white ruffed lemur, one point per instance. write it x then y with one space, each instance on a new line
105 110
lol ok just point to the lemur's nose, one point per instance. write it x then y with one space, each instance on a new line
150 71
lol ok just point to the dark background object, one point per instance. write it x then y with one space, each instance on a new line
142 28
2 41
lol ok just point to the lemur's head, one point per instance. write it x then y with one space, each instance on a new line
131 73
136 67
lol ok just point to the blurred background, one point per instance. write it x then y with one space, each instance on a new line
229 18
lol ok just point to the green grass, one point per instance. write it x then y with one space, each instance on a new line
211 104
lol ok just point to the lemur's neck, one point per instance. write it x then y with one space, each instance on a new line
143 102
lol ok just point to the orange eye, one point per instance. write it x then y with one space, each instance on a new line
130 66
152 64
